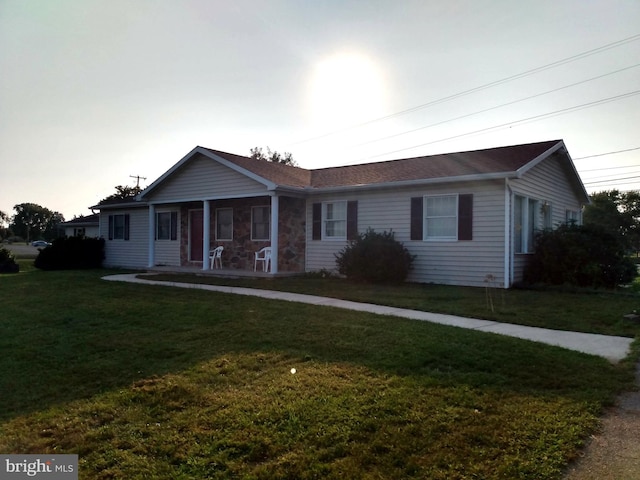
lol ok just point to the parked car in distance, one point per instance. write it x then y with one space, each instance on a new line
40 243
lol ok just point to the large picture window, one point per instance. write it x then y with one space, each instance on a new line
167 226
224 224
260 222
442 217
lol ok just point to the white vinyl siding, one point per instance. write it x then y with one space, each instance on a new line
453 263
546 182
134 252
204 178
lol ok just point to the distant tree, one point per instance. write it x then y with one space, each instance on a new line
123 192
4 221
275 157
33 221
618 213
630 204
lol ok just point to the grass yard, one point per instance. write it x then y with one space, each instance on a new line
155 382
591 311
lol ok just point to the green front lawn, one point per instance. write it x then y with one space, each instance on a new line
592 311
157 382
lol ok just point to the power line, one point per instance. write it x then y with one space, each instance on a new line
511 78
612 180
617 175
516 122
607 168
607 153
493 108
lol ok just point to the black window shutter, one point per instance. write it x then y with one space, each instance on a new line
316 230
352 220
416 218
126 226
174 225
110 227
465 217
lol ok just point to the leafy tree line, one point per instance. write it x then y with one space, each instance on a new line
618 213
30 222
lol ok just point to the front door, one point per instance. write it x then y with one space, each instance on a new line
195 235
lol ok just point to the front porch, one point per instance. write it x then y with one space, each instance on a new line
242 226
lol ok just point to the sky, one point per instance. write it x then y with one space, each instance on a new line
93 92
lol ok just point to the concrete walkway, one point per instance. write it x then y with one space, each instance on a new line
612 348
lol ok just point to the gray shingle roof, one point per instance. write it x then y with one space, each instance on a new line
476 162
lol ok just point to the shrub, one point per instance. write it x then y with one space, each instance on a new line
376 258
71 253
8 262
581 255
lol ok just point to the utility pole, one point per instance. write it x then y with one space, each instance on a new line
138 177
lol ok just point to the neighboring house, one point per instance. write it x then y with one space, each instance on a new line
464 215
83 226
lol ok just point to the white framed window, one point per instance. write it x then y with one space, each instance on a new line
260 223
525 223
166 225
119 227
572 217
441 217
334 220
224 224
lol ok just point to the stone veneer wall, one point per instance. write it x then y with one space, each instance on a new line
239 252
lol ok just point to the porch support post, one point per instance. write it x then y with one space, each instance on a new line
274 232
152 236
206 234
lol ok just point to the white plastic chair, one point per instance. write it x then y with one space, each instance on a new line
215 257
263 256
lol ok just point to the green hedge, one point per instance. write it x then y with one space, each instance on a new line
71 253
376 258
580 255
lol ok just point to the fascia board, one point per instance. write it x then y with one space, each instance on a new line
120 206
201 199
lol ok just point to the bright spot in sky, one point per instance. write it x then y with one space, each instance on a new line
346 89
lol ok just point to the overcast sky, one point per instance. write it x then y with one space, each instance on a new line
93 91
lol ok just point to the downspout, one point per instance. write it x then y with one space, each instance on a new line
508 256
